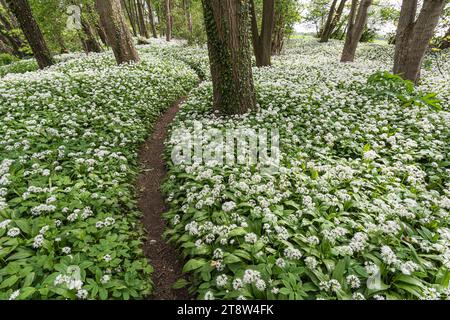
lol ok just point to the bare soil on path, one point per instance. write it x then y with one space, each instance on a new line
163 257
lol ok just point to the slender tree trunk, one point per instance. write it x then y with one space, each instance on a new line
337 16
117 32
90 42
168 7
227 29
151 18
262 42
188 15
130 16
327 29
413 36
355 29
143 27
331 26
22 11
279 30
101 33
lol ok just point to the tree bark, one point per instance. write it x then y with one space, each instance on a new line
227 29
117 32
262 42
279 31
22 11
168 9
413 36
151 18
130 16
355 29
143 27
330 25
326 30
188 15
90 42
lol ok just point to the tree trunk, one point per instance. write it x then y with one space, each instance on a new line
187 13
152 18
327 29
130 16
117 32
22 11
101 33
262 42
89 40
413 36
227 29
168 8
355 29
143 27
279 30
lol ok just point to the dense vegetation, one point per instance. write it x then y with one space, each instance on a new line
69 226
357 207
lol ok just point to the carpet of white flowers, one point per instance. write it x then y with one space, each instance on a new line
359 208
69 225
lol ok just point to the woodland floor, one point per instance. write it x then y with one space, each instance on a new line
162 256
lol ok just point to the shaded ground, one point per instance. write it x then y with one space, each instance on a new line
163 257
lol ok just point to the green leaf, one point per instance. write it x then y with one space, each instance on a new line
9 282
180 283
193 264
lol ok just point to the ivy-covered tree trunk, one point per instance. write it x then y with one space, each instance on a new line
90 42
227 29
326 30
22 11
413 36
262 42
355 28
151 18
117 32
168 9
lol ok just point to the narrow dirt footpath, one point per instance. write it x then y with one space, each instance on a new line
163 257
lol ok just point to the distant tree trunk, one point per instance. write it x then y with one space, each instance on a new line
117 32
151 18
143 27
445 44
130 16
413 36
101 33
227 29
331 25
187 13
337 16
91 43
168 8
355 29
22 11
262 42
279 30
327 29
